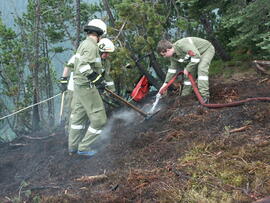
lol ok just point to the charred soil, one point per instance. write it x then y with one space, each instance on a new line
185 153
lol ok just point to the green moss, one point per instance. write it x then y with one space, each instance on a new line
217 175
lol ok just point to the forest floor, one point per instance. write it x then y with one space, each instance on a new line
185 153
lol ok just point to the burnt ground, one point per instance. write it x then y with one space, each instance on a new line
185 153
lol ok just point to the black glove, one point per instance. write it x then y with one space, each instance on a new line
64 83
97 80
101 86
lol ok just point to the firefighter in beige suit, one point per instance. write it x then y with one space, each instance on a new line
67 87
106 47
88 83
198 53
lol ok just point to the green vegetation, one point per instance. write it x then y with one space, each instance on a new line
222 172
239 30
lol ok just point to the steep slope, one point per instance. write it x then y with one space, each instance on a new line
185 153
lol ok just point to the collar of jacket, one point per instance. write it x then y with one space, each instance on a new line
91 39
178 52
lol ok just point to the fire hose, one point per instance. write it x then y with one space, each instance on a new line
198 95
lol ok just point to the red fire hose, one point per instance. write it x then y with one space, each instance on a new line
197 93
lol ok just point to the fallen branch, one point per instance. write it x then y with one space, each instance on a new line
262 62
239 129
265 79
38 138
91 179
164 131
259 65
44 187
17 145
263 200
141 185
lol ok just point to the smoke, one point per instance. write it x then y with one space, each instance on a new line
119 119
124 117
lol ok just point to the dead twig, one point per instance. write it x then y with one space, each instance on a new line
91 179
17 145
164 131
259 65
261 81
38 138
141 185
239 129
121 30
44 187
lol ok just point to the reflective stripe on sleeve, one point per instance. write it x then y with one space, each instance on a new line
195 60
97 78
181 60
203 77
187 83
92 130
98 60
171 70
77 127
109 83
85 68
187 57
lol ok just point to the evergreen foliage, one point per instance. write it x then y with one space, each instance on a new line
238 29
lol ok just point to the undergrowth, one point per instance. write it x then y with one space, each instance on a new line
223 171
228 68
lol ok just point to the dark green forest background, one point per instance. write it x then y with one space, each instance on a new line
239 30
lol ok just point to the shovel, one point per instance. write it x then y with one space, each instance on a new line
152 110
161 92
145 115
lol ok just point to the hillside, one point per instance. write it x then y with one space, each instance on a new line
185 153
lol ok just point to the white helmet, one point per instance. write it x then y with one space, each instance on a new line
97 26
106 45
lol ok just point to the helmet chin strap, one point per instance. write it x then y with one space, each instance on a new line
99 38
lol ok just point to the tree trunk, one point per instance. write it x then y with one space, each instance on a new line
78 23
49 87
108 10
36 117
219 48
152 80
156 66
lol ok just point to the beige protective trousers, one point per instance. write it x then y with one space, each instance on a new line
201 73
87 105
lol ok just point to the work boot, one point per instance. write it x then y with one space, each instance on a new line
206 100
87 153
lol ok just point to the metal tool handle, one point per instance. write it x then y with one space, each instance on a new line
127 103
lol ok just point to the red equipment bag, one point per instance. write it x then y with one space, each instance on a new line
141 89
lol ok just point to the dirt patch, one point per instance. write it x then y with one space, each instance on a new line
185 153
